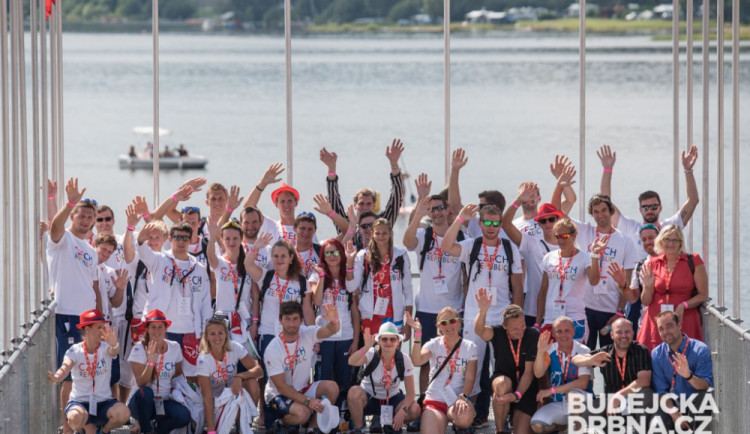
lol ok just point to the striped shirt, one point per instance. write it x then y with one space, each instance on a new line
637 359
391 210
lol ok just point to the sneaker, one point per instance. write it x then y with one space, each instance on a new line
468 430
389 430
375 425
480 423
414 426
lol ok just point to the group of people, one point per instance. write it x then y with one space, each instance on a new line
228 317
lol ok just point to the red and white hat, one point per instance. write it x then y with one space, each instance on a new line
90 317
157 315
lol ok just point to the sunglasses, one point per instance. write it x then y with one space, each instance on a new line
104 219
231 224
672 240
563 236
181 237
331 253
652 207
90 201
365 225
547 220
482 205
191 209
219 319
438 208
489 223
448 321
389 339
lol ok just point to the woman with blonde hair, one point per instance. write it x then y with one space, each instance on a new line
673 280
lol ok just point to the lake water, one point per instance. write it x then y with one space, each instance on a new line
514 106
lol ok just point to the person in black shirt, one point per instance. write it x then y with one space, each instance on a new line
513 384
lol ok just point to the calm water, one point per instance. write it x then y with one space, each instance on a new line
514 106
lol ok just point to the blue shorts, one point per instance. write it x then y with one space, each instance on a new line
373 405
115 377
66 334
102 407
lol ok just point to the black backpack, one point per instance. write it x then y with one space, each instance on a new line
474 256
370 368
399 266
429 243
267 283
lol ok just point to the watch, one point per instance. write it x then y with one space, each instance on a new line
690 377
307 402
463 395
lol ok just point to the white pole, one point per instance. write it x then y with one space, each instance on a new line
22 214
155 127
736 156
676 103
6 289
447 84
720 153
33 291
60 108
689 79
582 108
42 291
15 137
53 101
706 85
288 69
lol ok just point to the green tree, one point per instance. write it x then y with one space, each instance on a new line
404 9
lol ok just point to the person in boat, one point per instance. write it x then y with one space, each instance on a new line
182 151
91 405
132 153
72 264
451 362
365 198
676 281
218 365
155 361
553 359
681 366
328 286
379 392
167 153
493 263
382 273
441 278
514 386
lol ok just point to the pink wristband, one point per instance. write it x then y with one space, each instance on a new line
417 334
361 352
322 274
71 204
174 198
147 215
515 205
350 270
349 231
331 214
608 170
253 251
459 218
51 197
331 173
620 314
151 364
553 390
518 394
229 210
130 228
684 303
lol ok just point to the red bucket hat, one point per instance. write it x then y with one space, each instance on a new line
157 315
284 188
90 317
547 210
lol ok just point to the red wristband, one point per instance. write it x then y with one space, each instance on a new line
608 170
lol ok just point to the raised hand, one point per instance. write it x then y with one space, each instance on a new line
109 335
71 190
689 158
331 312
566 178
140 206
607 157
423 207
272 175
351 251
131 216
528 192
351 215
213 228
184 193
322 205
468 211
484 299
195 184
393 152
459 159
543 345
329 159
413 323
368 339
423 185
123 277
557 167
647 276
599 244
617 273
51 188
234 200
152 353
262 241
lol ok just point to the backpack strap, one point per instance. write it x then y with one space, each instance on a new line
239 295
473 256
509 256
429 242
302 286
638 267
445 362
400 368
266 282
365 274
691 263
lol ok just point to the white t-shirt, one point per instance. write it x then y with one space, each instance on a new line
106 277
474 230
309 257
263 259
529 227
499 278
168 363
632 228
72 270
196 250
605 296
206 367
269 318
82 381
573 288
226 293
533 250
441 271
341 296
117 259
277 362
269 226
377 376
143 293
466 353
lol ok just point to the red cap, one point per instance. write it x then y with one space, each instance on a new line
157 315
90 317
284 188
547 210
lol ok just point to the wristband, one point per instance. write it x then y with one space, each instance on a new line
350 270
229 210
688 171
253 251
553 390
147 215
334 321
690 377
684 303
322 274
71 204
594 256
417 334
331 173
515 205
608 170
536 325
58 374
174 198
349 231
255 318
211 432
518 394
459 218
620 314
258 188
331 214
151 364
51 197
130 228
361 352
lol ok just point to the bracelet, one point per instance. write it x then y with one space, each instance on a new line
322 274
71 204
518 394
51 197
688 171
536 325
690 377
515 205
459 218
58 374
335 321
331 173
553 390
255 318
684 303
258 188
130 228
253 251
620 314
147 215
361 352
594 256
331 214
350 270
229 210
174 197
151 364
417 334
349 231
608 170
417 342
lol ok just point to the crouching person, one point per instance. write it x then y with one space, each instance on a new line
554 360
91 405
453 367
378 393
155 361
291 399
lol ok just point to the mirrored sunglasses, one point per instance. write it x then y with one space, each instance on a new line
331 253
448 321
489 223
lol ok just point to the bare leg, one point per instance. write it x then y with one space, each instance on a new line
500 386
521 422
433 421
357 399
67 386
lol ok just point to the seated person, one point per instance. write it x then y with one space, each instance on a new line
182 151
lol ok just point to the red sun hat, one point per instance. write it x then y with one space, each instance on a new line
90 317
284 188
157 315
547 210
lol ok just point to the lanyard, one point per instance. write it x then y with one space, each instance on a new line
290 237
91 368
561 271
91 239
159 368
387 378
669 275
383 273
233 273
601 255
223 372
281 290
439 252
197 247
516 354
292 360
334 290
563 365
490 259
621 368
309 262
452 364
674 370
176 270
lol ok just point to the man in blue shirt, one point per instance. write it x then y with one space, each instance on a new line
681 365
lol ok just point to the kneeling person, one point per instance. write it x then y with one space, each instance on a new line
290 397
